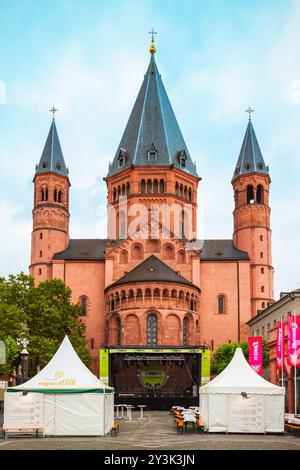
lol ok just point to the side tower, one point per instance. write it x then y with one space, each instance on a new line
252 233
50 214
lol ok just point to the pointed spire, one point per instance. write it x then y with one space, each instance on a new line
152 123
52 159
250 158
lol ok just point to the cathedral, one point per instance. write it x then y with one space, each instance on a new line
155 300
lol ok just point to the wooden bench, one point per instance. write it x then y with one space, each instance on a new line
293 429
23 430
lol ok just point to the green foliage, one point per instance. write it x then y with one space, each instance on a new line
225 353
11 355
44 314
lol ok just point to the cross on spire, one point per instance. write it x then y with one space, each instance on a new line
152 32
249 111
53 111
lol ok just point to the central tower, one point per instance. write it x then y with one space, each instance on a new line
152 164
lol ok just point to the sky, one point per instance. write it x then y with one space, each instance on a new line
88 59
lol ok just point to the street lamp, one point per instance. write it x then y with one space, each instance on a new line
24 358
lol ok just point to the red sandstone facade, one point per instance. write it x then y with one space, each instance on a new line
219 285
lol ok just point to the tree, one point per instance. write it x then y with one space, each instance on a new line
11 356
225 353
44 314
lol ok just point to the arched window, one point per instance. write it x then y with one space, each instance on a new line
169 251
181 258
59 197
83 306
152 331
136 251
44 194
161 186
186 331
260 194
143 186
221 304
123 189
55 195
190 195
128 189
250 194
181 190
118 330
119 192
155 186
185 192
124 257
149 186
177 189
115 195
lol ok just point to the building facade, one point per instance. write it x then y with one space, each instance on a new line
265 324
150 283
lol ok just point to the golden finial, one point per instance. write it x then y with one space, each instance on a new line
152 49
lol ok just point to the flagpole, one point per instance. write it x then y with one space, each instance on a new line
295 372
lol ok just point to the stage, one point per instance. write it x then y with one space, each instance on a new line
155 377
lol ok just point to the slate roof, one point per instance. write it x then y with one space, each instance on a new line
221 250
152 270
81 250
52 158
94 250
250 159
152 125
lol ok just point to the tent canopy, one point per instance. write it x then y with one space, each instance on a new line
239 377
64 373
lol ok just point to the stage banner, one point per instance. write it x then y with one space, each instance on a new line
293 356
255 353
280 344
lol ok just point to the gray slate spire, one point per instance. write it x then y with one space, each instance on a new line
152 136
52 158
250 159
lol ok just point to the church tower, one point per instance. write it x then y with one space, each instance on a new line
50 232
252 232
152 163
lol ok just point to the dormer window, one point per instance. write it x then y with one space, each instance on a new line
44 164
122 158
152 153
182 158
58 165
260 165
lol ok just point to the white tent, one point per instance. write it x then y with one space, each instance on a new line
239 400
65 398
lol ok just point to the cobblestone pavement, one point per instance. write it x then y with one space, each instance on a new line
155 432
